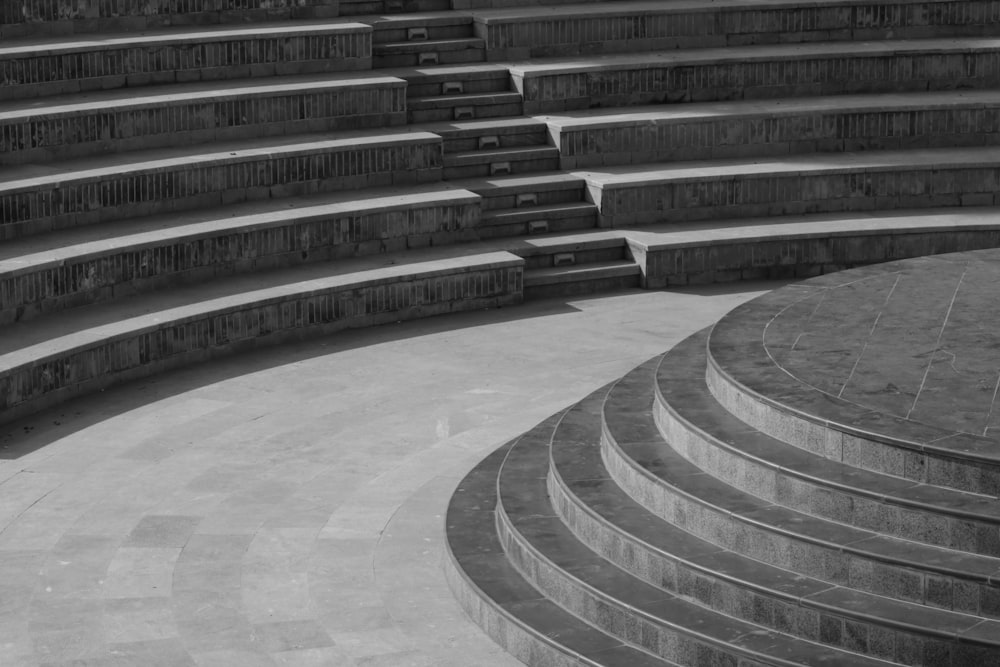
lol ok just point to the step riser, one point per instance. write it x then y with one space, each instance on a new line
919 466
755 79
316 238
582 286
569 224
442 58
55 204
486 169
869 513
764 195
776 135
465 144
504 110
113 66
830 563
788 614
496 202
42 139
471 85
569 35
45 381
434 33
58 17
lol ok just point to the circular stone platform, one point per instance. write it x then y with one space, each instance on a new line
906 352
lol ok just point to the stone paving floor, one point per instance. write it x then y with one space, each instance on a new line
286 508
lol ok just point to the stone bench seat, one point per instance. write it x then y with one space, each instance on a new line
764 71
153 117
774 127
795 184
616 27
104 262
57 17
44 197
72 353
38 68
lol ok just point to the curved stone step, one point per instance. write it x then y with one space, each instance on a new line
743 376
796 184
36 68
55 358
186 114
585 29
775 127
99 263
114 187
509 609
698 428
671 487
608 521
547 554
786 70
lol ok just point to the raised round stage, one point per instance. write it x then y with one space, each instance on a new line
813 481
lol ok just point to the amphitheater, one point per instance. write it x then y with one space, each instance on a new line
488 332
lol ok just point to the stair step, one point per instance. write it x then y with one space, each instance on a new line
501 161
463 136
410 26
94 62
419 53
582 249
670 486
524 192
474 79
711 438
463 107
499 598
139 119
543 550
544 219
769 71
129 185
602 516
581 279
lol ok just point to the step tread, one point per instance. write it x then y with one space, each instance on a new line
682 387
523 503
636 435
509 215
467 99
576 462
558 274
418 46
501 155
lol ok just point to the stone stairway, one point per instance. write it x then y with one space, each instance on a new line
676 533
380 151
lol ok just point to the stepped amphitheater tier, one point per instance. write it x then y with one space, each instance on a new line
182 180
812 481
